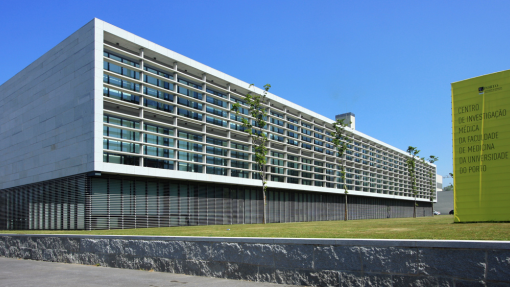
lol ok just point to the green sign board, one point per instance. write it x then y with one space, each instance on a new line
481 148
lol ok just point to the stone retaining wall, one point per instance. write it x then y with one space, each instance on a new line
320 262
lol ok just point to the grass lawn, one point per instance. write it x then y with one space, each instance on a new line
437 227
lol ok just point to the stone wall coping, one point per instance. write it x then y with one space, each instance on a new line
415 243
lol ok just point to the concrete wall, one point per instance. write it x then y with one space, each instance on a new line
318 262
46 122
444 202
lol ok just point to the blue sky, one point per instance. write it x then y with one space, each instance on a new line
389 62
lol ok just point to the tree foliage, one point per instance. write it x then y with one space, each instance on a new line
411 168
432 159
340 142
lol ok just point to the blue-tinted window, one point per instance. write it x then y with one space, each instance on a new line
121 83
122 59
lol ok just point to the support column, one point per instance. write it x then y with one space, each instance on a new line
141 111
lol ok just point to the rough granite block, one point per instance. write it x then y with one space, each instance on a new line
266 274
26 253
88 245
421 281
3 248
241 271
135 247
307 277
498 264
27 242
497 284
470 283
162 264
378 280
197 250
351 279
14 252
36 254
293 256
459 263
11 241
165 249
256 254
147 263
90 259
54 243
200 268
71 245
337 258
389 260
53 255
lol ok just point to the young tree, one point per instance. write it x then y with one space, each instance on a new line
254 127
432 159
340 142
411 167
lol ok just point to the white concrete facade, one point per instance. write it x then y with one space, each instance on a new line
46 124
67 121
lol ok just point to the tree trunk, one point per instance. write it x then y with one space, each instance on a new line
414 213
346 213
264 207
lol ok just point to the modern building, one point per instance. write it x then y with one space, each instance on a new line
109 130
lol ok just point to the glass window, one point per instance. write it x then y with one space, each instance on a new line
190 136
190 146
190 156
292 120
158 72
217 102
211 91
121 70
184 166
161 152
122 59
240 155
121 159
216 160
216 170
189 103
190 114
158 105
215 121
121 146
158 163
239 173
240 146
239 164
158 94
216 150
123 96
120 83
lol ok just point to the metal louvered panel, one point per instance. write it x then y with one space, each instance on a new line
54 204
114 201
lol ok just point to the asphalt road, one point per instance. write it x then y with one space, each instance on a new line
18 272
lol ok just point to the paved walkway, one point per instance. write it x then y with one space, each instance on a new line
18 272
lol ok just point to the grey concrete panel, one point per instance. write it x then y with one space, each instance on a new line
43 100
